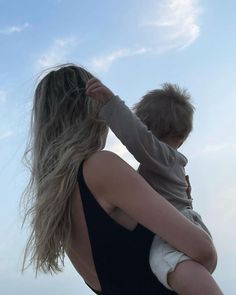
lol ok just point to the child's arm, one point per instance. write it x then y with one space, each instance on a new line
145 147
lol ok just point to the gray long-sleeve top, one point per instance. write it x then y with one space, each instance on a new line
161 165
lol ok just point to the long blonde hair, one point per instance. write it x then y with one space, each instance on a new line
65 129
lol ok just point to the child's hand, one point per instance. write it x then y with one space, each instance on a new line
98 91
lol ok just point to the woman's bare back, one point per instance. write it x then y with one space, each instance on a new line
80 252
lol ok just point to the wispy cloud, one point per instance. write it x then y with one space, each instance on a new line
104 62
57 53
113 144
14 29
175 22
167 25
214 148
211 149
6 134
3 96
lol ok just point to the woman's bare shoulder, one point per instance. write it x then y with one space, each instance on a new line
105 172
101 164
101 156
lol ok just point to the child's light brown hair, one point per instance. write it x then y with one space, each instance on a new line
167 112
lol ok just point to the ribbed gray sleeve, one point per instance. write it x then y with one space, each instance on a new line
145 147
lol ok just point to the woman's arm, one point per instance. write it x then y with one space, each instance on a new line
114 180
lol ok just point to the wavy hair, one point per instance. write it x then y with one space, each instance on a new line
65 129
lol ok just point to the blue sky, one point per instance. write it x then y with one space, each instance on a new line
133 46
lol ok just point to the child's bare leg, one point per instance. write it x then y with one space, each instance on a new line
191 278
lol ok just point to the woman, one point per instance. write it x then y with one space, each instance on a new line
89 203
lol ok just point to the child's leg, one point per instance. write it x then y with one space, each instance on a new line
178 272
191 278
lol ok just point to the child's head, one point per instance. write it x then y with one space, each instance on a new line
167 112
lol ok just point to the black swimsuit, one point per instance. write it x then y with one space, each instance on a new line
121 256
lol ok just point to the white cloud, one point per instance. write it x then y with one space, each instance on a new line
3 96
57 53
6 134
166 25
212 149
175 23
113 144
104 62
14 29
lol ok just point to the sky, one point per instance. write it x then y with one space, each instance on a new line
133 46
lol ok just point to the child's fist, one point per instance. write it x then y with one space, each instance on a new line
97 90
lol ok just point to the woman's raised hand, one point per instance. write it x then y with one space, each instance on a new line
96 90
